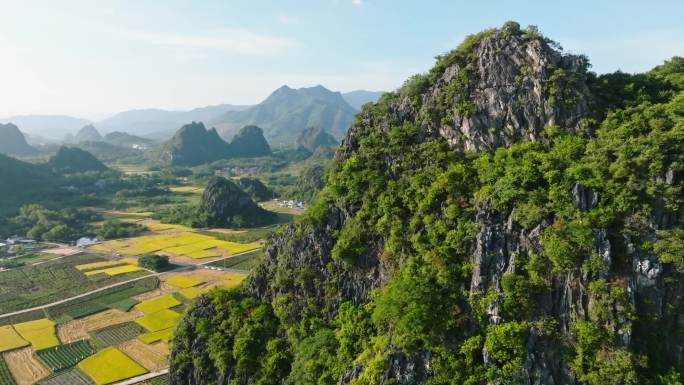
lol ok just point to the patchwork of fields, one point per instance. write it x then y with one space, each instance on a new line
113 333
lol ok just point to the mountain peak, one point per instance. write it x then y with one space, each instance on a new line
13 141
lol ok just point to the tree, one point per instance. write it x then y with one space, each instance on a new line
154 262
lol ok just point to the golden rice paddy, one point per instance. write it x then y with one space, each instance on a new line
156 304
110 365
183 281
160 335
163 319
40 333
10 339
112 271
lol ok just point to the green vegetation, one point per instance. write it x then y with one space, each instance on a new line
64 356
154 262
38 222
69 160
113 229
416 213
5 375
30 286
72 376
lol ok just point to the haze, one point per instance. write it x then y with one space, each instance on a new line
91 59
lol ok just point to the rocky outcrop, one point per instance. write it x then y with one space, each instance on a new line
87 133
192 145
249 142
517 85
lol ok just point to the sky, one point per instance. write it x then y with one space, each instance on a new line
92 58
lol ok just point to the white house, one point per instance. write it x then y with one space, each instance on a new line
85 241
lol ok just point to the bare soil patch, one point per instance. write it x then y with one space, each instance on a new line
25 369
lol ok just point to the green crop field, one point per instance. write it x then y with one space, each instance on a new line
115 334
124 305
72 376
30 286
5 375
64 356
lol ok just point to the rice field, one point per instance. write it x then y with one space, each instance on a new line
163 319
10 339
191 292
99 265
183 281
160 335
110 365
114 271
40 333
156 304
233 279
184 244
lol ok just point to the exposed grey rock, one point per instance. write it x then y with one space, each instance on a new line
585 199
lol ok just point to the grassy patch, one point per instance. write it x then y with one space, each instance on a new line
241 262
40 333
10 339
156 304
160 320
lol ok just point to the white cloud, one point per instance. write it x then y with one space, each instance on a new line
230 41
357 3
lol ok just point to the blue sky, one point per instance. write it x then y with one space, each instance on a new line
89 58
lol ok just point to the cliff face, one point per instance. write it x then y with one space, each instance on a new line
478 228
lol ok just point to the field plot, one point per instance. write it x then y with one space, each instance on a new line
110 365
73 376
115 334
191 292
156 304
183 281
40 333
233 279
112 271
99 265
5 375
163 319
101 301
80 329
10 339
161 335
124 305
181 244
30 286
64 356
25 369
241 262
152 357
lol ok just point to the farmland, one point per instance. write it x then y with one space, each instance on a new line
129 324
115 334
30 286
110 365
5 375
64 356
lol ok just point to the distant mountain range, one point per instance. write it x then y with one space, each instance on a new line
161 124
53 127
287 111
358 98
283 115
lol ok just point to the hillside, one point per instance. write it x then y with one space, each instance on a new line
224 204
13 142
286 112
125 139
314 137
249 142
358 98
506 218
159 123
24 183
87 133
72 160
192 145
